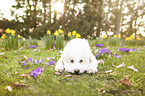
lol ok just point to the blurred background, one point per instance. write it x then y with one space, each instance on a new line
88 17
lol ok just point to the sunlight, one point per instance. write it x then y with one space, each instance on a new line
58 6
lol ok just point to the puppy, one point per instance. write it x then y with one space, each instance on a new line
77 58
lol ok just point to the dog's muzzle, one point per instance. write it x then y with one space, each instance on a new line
76 71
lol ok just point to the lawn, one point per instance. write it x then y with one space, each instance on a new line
114 76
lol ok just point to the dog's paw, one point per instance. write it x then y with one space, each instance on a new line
90 71
59 69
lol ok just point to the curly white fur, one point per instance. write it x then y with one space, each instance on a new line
77 58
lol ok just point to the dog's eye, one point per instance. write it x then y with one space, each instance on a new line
71 61
81 61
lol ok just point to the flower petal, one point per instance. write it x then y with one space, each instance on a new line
121 65
132 67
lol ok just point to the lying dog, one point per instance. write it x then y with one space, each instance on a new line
77 58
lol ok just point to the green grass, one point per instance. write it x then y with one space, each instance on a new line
51 84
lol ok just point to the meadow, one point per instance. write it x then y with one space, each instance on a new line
28 68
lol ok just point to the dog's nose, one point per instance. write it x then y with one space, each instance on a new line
77 71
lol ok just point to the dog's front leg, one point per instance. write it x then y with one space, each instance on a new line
59 65
93 65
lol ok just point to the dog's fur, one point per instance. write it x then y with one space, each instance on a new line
77 58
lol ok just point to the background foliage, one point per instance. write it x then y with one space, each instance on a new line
93 17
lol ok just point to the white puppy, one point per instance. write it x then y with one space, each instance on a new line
77 58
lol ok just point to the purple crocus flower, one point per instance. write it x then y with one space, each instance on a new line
108 51
32 46
97 55
53 44
51 62
36 61
34 73
133 49
102 51
124 49
139 50
127 49
123 44
118 50
108 47
30 59
37 72
117 56
41 61
99 45
25 64
42 69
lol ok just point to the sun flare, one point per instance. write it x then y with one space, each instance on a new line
58 6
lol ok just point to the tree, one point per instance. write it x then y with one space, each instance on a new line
136 12
94 16
119 17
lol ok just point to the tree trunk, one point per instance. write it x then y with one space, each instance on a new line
44 14
50 11
35 14
119 18
99 28
100 15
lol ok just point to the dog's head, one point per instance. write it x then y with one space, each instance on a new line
76 57
76 65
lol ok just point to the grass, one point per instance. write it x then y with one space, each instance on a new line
68 84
